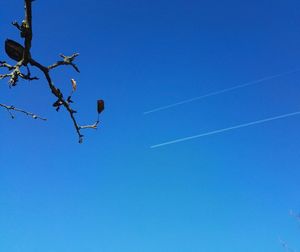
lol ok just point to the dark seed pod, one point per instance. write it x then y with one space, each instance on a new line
14 50
100 106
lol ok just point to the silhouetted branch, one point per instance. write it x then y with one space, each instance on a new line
11 108
15 73
4 64
23 57
67 60
61 101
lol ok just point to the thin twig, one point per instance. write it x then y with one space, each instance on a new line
92 126
67 60
10 108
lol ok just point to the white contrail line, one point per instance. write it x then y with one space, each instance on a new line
226 129
221 91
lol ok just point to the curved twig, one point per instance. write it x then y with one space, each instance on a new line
10 108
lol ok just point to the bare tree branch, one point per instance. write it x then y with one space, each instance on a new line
15 73
27 30
23 57
60 99
11 108
93 126
67 60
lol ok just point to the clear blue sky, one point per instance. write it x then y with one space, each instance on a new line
224 192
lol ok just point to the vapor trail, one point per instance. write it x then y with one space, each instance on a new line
226 129
221 91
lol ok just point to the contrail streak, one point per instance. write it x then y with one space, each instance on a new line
226 129
221 91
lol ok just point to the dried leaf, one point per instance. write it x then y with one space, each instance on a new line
100 106
74 84
14 50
